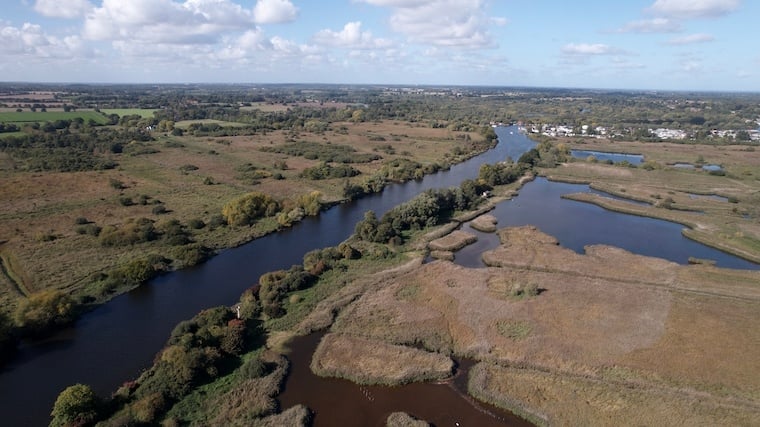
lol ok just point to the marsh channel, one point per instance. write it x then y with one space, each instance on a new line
113 343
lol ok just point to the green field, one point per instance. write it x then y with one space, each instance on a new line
10 134
142 112
49 116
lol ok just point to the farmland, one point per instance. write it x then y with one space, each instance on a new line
50 116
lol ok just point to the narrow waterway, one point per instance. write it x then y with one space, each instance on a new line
113 343
337 402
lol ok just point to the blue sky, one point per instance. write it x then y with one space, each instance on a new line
633 44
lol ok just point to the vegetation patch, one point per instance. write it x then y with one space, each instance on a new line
485 223
453 242
371 362
514 329
324 152
402 419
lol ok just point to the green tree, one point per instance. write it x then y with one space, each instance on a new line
44 309
245 210
77 405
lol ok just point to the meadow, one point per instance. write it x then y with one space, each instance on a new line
51 116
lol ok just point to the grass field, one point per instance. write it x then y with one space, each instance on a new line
39 211
11 134
599 345
142 112
49 116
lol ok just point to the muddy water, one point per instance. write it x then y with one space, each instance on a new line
336 402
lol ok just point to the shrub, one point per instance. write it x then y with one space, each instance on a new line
116 184
141 270
76 405
44 310
255 367
327 171
217 221
245 210
196 223
190 255
81 221
133 232
159 209
89 229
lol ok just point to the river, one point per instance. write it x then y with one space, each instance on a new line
114 342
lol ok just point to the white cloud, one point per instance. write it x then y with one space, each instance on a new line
171 21
68 9
452 23
30 41
656 25
274 11
587 49
691 39
351 36
689 9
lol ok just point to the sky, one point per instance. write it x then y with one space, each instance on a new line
709 45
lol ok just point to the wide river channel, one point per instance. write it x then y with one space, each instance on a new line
114 342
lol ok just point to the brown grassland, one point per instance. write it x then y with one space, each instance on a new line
41 249
651 343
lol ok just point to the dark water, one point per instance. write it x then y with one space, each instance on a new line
337 402
113 343
577 224
603 156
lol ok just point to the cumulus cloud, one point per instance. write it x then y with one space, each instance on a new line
452 23
351 36
588 49
691 39
689 9
170 21
274 11
30 40
68 9
656 25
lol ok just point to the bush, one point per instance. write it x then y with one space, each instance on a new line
159 209
141 270
89 229
133 232
44 310
326 171
255 368
245 210
196 223
76 405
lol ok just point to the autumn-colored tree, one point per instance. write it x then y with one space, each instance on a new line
77 405
248 208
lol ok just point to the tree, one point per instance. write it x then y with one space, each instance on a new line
44 309
76 405
743 135
248 208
